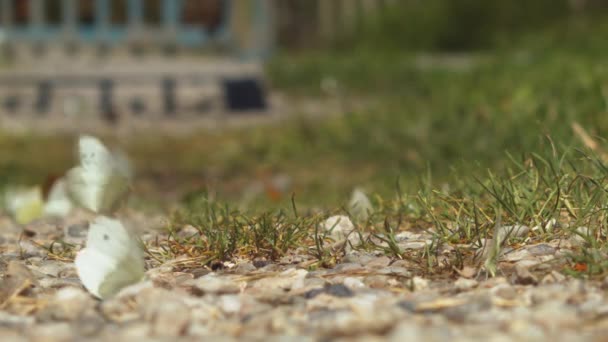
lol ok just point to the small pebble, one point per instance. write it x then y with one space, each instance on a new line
523 276
464 284
419 283
353 283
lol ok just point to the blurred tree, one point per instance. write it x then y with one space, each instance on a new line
446 25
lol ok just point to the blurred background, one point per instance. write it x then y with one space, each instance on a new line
256 100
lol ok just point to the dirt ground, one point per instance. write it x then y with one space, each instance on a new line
366 297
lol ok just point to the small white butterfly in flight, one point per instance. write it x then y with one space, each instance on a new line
24 204
102 180
360 206
58 203
113 258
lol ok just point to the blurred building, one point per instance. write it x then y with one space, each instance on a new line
133 59
130 59
241 26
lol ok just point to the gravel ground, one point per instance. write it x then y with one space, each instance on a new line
366 297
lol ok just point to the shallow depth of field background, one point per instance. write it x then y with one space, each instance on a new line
416 94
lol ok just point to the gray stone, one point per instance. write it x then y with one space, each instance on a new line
395 271
290 279
168 315
68 304
336 290
353 283
419 283
213 284
461 313
541 249
464 284
244 267
523 276
553 277
78 230
515 231
51 332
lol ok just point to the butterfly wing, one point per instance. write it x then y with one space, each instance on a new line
25 205
58 202
112 259
101 182
129 271
93 267
114 192
92 153
85 187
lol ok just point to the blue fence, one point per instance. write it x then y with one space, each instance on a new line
171 27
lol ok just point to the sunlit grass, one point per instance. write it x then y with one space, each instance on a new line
553 195
513 138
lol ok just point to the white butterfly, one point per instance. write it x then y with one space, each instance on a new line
58 203
112 259
360 206
102 181
24 204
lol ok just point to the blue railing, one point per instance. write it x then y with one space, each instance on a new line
172 27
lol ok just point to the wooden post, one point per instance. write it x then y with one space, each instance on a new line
168 86
44 97
106 100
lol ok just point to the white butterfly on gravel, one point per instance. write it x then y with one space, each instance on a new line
102 181
113 258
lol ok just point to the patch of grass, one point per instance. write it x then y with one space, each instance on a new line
223 234
554 193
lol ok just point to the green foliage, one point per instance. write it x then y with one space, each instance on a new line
441 116
554 192
445 25
224 234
